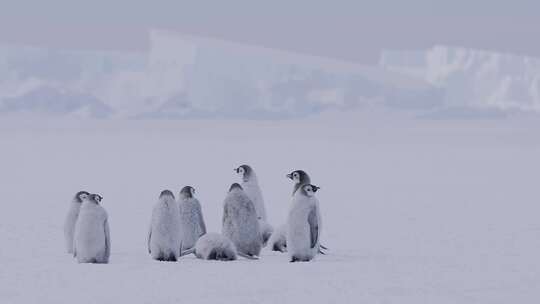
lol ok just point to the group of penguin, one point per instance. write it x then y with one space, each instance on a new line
177 227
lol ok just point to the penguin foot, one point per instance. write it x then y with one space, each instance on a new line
299 259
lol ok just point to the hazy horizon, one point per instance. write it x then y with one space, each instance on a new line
354 31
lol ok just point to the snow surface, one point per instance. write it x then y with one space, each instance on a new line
415 211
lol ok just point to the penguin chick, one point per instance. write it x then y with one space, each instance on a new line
213 246
278 240
192 225
240 223
304 225
164 233
92 241
71 219
250 184
251 187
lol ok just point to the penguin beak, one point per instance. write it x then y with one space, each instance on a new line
289 175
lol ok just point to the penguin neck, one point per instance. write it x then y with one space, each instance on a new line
252 179
167 201
297 186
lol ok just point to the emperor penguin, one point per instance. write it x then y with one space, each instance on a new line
92 241
213 246
71 218
240 223
192 225
304 225
250 184
278 240
164 234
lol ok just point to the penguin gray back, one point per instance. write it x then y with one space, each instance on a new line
191 218
240 223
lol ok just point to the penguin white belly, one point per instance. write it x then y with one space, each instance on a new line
90 241
254 193
298 232
69 225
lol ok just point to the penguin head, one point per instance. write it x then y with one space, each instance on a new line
245 172
95 198
235 186
299 177
166 193
187 192
81 196
309 190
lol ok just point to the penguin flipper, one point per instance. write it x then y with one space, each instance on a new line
247 256
189 251
201 222
107 239
149 237
313 227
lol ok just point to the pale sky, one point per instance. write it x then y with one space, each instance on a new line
348 30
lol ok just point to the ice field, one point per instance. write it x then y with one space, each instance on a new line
414 210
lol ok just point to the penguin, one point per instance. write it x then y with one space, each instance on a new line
250 184
192 225
299 177
164 234
92 241
240 223
304 225
71 219
278 240
213 246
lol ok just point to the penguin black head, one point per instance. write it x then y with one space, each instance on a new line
166 193
187 192
235 186
309 189
245 172
95 198
80 196
299 177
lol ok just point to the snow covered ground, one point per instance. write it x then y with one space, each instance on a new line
415 211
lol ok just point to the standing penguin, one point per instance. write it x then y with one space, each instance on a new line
92 242
240 222
192 225
304 225
278 240
250 184
71 218
164 233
